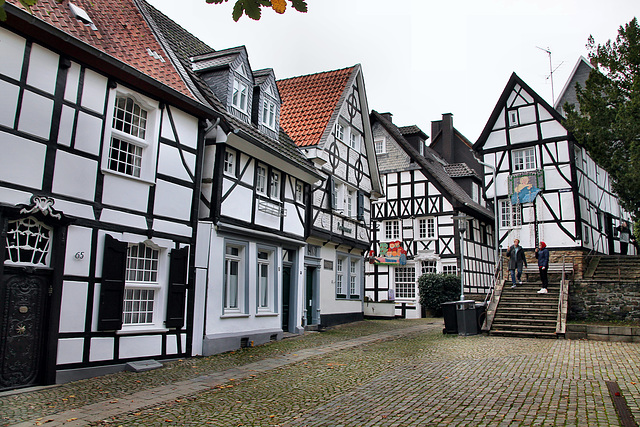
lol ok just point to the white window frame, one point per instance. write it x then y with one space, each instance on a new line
274 185
426 228
233 302
510 215
141 279
380 145
299 192
269 114
240 95
340 279
348 276
428 266
350 201
229 167
353 276
524 159
354 140
513 117
392 230
339 130
265 298
405 289
450 269
145 145
261 179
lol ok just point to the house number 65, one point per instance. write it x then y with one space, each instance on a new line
79 255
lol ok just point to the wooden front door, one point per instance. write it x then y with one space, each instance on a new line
24 306
286 296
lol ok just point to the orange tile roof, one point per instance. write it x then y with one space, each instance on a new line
122 33
308 102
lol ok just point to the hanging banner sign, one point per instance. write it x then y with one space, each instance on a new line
391 253
525 186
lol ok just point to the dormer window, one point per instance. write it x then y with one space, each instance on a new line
339 132
240 95
269 114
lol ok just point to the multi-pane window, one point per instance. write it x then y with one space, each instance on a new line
353 277
141 284
350 202
524 160
340 276
510 215
379 145
240 95
514 120
275 185
354 140
405 280
428 267
450 269
232 279
129 129
339 132
299 192
269 114
261 179
392 229
265 281
229 162
427 228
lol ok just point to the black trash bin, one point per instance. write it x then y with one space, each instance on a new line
466 316
481 314
450 317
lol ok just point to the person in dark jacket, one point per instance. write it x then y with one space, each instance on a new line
625 237
542 253
516 261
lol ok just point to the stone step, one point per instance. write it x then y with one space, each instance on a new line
526 315
522 334
528 321
546 328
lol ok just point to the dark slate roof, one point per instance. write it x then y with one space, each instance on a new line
283 147
434 167
218 59
460 170
412 130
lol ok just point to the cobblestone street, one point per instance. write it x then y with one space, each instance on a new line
373 373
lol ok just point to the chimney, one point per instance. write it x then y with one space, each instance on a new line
387 116
447 150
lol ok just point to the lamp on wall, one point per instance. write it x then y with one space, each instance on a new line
462 228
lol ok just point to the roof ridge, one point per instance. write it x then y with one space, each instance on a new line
318 73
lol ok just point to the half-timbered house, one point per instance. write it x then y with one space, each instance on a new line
326 114
253 203
548 187
99 189
413 226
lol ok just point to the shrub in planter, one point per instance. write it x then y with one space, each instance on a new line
438 288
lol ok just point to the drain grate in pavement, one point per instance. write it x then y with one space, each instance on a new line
624 413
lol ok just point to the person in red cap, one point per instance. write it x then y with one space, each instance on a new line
542 253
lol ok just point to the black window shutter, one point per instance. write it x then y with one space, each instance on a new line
177 291
112 290
333 196
360 206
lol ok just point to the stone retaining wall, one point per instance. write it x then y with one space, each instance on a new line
604 301
603 333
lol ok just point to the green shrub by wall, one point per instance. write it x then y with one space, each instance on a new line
438 288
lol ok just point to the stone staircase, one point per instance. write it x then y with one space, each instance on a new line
619 268
524 313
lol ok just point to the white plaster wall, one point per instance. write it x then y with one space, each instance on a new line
35 114
65 132
237 205
12 54
43 69
140 346
9 95
527 114
71 88
78 243
186 126
523 134
172 228
293 222
72 311
74 176
88 133
22 161
124 219
101 349
173 201
78 210
70 350
170 163
552 129
125 192
94 91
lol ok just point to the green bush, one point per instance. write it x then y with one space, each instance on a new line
438 288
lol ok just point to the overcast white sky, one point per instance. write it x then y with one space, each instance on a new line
420 58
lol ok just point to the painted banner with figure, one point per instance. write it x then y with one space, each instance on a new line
525 186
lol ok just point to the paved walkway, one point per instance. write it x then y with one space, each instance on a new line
404 374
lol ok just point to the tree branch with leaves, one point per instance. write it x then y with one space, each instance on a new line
606 120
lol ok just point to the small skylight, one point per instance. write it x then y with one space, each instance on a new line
82 16
156 55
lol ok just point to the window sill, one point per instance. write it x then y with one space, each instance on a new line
234 315
141 329
267 314
125 176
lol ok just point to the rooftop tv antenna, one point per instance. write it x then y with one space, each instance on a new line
551 71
